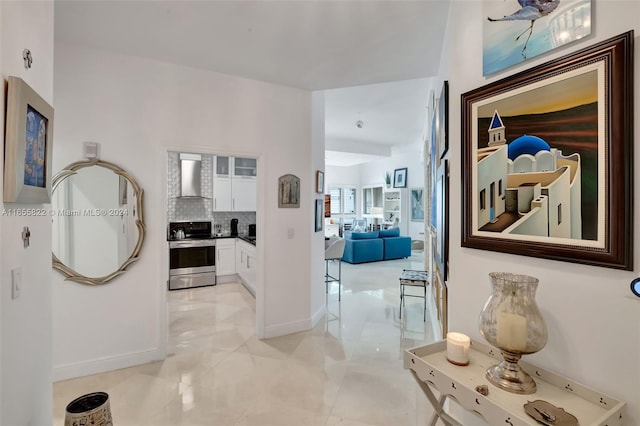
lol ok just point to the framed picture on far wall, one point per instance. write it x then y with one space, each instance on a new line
327 205
319 214
28 145
417 204
400 178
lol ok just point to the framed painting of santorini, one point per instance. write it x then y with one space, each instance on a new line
514 31
547 159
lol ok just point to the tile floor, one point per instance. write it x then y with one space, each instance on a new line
346 371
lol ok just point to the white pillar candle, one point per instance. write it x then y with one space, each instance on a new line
458 348
511 331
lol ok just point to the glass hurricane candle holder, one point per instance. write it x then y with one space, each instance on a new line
511 321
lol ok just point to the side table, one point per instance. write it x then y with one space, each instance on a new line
429 366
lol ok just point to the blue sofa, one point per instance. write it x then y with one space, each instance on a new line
372 246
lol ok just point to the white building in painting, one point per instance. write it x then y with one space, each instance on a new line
526 187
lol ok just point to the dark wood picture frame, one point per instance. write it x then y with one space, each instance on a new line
601 126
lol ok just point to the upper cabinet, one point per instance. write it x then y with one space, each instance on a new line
222 166
244 167
234 184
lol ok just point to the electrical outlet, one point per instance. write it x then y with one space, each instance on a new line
290 233
16 282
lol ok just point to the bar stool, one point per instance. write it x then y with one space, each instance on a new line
414 278
334 251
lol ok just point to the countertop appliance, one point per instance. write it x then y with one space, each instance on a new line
252 230
192 255
234 227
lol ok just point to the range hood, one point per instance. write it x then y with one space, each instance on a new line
190 176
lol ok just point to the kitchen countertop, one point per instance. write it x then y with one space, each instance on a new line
250 240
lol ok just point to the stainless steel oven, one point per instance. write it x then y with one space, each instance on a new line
192 255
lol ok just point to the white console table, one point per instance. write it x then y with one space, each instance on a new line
429 366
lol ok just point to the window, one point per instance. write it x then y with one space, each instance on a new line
343 200
371 197
483 199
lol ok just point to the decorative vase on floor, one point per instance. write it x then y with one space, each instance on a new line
91 409
511 321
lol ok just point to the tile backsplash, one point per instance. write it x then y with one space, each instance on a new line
189 208
200 208
244 219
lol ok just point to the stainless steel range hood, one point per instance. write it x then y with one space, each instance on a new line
190 174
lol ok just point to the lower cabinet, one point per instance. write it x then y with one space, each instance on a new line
247 264
226 256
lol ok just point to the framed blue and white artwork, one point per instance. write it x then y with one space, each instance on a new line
517 30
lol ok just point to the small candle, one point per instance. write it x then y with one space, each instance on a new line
511 331
458 348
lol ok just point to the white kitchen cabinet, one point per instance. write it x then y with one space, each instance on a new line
247 264
245 167
225 256
222 166
244 194
235 192
222 198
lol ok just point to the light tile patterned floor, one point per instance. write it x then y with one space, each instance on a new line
347 371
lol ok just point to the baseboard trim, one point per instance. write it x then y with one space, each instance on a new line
287 328
318 315
101 365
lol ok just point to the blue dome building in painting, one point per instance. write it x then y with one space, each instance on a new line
526 187
526 144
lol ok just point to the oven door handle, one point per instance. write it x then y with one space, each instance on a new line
189 244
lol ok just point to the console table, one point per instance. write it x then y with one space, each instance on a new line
429 366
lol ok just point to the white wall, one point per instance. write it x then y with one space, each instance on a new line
318 295
25 323
138 109
592 317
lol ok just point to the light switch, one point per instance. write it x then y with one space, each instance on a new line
290 233
16 282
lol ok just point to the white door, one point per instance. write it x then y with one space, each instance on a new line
226 256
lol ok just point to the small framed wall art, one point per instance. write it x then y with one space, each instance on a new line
28 145
400 178
319 181
319 214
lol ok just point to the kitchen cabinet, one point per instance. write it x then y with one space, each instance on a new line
237 191
247 264
225 256
222 197
244 194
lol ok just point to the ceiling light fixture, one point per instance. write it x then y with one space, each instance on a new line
359 124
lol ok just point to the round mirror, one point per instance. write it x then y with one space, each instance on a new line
98 222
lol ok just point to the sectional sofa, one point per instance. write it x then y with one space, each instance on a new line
373 246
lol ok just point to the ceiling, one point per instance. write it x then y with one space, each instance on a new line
308 44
